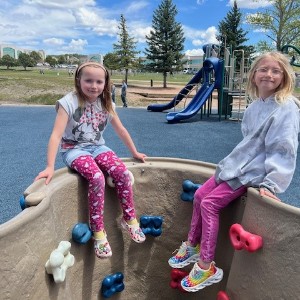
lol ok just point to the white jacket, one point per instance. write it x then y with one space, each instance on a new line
267 154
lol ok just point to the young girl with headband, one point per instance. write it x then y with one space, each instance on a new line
82 117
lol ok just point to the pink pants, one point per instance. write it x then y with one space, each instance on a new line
92 170
209 199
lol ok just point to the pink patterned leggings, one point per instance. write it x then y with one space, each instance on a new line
209 199
92 170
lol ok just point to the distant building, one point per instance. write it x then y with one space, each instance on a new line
191 63
14 52
96 58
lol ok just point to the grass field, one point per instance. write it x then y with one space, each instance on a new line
20 86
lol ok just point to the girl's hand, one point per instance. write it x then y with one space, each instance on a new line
140 156
47 173
266 192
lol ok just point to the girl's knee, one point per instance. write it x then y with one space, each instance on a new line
209 205
123 177
120 173
198 196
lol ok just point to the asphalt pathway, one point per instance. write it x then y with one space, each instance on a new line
25 131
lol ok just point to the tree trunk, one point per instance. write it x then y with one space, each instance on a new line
165 79
126 75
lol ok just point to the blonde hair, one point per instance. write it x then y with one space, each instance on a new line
105 97
287 84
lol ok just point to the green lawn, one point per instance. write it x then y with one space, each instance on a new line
32 87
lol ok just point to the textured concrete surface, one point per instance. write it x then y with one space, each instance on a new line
27 240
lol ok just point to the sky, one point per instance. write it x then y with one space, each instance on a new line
91 26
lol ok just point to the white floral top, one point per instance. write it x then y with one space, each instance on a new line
85 125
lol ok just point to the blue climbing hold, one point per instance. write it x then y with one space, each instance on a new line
81 233
22 202
112 284
151 225
189 186
187 196
189 189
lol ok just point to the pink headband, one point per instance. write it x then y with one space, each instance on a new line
90 63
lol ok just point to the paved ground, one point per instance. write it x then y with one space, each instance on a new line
25 131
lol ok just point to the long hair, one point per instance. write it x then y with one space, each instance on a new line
287 84
105 97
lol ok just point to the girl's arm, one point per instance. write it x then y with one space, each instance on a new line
126 138
55 138
281 145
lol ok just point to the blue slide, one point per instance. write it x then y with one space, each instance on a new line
211 66
194 106
181 95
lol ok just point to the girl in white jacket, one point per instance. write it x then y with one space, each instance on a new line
265 159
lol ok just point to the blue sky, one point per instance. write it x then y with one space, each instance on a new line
91 26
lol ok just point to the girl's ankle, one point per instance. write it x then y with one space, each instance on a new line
190 244
132 222
204 265
99 235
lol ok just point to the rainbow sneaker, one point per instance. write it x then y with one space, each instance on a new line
199 279
185 256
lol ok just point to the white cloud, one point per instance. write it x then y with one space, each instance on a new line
34 24
251 4
52 24
75 46
136 6
60 4
194 52
96 21
139 30
261 30
54 41
201 37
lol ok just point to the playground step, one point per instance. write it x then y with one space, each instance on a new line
236 93
239 105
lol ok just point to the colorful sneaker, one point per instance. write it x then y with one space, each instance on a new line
135 231
185 256
102 248
199 279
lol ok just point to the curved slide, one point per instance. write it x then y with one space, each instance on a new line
194 106
182 94
285 49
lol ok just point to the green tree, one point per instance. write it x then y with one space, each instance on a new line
125 48
61 59
231 34
165 41
281 22
8 61
36 57
51 61
263 46
110 61
25 60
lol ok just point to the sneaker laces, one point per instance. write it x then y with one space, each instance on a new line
196 271
181 249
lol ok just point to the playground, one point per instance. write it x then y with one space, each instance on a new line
38 218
